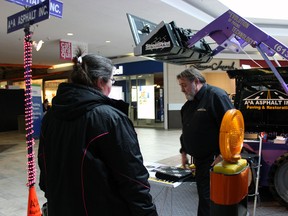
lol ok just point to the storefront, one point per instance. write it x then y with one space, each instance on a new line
48 85
141 85
138 83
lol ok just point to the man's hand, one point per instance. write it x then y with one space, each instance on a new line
184 159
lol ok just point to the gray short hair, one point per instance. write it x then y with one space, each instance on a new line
191 74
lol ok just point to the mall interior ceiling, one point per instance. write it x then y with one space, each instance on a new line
103 26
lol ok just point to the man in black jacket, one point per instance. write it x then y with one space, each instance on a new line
89 156
201 120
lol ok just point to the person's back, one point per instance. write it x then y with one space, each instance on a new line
90 158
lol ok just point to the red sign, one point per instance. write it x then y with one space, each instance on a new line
66 50
262 63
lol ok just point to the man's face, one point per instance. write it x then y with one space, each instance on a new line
189 88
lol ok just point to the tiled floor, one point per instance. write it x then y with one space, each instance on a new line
156 145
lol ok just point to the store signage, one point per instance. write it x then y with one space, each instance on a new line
30 16
56 7
118 71
216 66
68 49
65 50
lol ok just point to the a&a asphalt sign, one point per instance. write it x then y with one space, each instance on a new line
30 16
56 7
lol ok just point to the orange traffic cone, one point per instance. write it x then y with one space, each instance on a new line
33 204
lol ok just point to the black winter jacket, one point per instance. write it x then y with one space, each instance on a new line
89 157
201 122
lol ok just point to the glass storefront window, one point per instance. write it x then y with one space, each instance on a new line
21 84
144 93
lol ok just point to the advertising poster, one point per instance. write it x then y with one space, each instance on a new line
146 102
37 110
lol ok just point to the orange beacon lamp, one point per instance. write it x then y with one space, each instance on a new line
229 178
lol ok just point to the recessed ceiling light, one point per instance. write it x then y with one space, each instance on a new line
108 41
70 34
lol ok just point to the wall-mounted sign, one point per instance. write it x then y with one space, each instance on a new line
65 50
118 71
217 65
68 48
56 7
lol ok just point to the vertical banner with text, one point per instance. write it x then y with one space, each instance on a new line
37 110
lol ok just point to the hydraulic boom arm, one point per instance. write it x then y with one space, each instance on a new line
234 32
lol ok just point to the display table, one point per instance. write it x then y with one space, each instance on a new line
159 174
169 197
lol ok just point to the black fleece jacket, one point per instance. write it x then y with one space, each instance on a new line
201 122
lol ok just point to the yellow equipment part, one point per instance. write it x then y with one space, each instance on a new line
227 168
